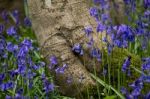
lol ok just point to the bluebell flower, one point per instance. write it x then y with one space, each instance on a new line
90 43
11 31
48 87
2 76
6 86
95 53
10 47
88 30
137 84
20 91
127 1
146 3
27 22
118 43
124 90
27 43
136 92
15 15
22 70
30 74
61 70
146 66
100 27
94 12
104 17
109 48
146 79
8 97
97 1
5 15
53 60
1 28
13 73
77 48
126 64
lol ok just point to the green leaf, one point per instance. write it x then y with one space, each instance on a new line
110 97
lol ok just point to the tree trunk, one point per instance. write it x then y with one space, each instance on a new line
58 24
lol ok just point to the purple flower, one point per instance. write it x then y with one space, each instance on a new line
88 30
146 3
11 31
10 47
15 15
146 64
136 92
104 17
100 27
4 15
95 53
48 87
118 43
6 86
94 12
124 90
53 60
1 28
126 64
27 22
20 91
61 70
30 74
77 48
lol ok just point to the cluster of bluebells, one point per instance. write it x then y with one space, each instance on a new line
18 61
139 83
134 31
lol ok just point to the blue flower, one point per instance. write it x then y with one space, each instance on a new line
126 64
6 86
88 30
146 64
95 53
146 3
61 70
30 74
94 12
11 31
100 27
10 47
136 92
5 15
53 60
48 87
124 90
118 43
2 77
15 15
20 91
27 22
1 28
77 48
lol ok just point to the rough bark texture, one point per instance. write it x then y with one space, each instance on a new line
57 27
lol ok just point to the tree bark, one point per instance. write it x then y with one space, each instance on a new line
58 25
